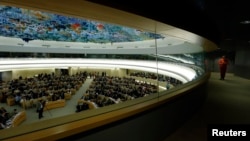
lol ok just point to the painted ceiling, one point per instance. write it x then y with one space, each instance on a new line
36 25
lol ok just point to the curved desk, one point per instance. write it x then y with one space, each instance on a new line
90 104
16 119
54 104
19 118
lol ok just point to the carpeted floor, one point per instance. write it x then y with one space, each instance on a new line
228 102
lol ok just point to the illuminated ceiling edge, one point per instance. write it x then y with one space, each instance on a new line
165 46
182 73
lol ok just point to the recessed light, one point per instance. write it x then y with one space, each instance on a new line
245 22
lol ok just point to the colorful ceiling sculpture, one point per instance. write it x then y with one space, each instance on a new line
36 25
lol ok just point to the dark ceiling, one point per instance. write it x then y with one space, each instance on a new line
217 20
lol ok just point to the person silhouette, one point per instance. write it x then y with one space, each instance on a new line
223 62
40 107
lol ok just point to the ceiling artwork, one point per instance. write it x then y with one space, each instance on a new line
26 30
36 25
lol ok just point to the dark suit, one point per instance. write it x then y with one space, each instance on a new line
40 109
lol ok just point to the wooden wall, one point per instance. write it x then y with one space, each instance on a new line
30 72
15 74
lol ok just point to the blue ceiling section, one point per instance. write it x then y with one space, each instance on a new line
36 25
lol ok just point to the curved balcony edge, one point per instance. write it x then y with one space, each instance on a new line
151 120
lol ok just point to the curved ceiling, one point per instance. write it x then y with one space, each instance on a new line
222 21
37 31
36 25
180 72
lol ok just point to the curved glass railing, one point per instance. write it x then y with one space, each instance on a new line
128 63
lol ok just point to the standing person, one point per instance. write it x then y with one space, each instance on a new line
167 85
40 107
223 62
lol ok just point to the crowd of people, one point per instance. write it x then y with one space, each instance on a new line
160 77
107 90
47 86
103 91
38 89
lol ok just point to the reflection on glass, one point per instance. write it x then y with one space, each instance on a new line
121 79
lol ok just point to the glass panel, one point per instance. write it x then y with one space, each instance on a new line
122 66
116 61
179 62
